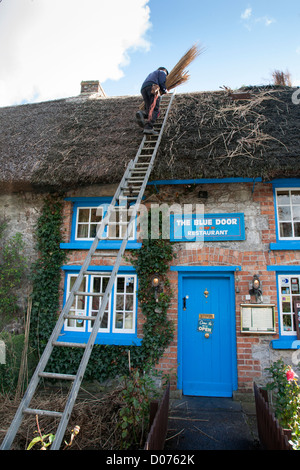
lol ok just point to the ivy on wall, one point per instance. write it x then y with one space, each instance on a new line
46 273
106 361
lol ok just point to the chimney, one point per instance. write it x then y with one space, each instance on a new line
92 87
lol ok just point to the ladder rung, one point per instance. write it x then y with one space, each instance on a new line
33 411
136 180
93 273
80 317
69 345
87 294
53 375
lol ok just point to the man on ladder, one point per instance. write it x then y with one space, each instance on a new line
153 87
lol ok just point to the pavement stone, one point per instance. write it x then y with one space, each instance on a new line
211 423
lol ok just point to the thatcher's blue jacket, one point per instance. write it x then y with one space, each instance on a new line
158 77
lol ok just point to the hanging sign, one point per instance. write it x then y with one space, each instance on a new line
206 322
207 227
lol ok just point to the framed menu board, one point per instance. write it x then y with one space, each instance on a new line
258 318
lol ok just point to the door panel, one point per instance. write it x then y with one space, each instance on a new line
207 360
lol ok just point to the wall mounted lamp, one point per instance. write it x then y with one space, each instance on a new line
255 288
155 281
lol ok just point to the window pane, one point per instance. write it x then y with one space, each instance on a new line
130 285
121 284
297 229
93 231
96 284
296 213
129 302
119 320
119 302
105 281
283 197
83 215
83 231
94 216
286 307
295 197
128 321
287 323
286 230
284 213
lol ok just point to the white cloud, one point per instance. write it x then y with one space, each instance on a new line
249 20
246 14
51 46
265 20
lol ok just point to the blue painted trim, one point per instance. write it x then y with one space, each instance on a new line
101 269
206 181
285 245
286 182
201 269
284 268
110 338
103 245
284 343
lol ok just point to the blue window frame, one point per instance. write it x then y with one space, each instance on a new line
288 290
87 214
287 214
119 324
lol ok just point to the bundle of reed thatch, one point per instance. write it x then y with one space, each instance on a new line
179 74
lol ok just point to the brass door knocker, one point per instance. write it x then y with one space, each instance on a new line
206 293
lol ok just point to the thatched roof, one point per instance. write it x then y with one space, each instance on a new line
66 143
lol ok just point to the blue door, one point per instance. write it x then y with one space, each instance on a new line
208 348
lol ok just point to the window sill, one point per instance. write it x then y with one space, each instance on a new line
103 245
285 245
286 343
118 339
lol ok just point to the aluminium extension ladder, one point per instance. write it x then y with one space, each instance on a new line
131 190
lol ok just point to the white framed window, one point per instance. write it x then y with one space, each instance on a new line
124 304
87 220
289 292
121 310
288 213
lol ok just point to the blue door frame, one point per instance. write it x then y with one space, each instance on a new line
215 354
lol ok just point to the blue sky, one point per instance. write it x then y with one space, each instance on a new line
244 42
51 45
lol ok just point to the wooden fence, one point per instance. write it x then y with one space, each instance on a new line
159 412
271 434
